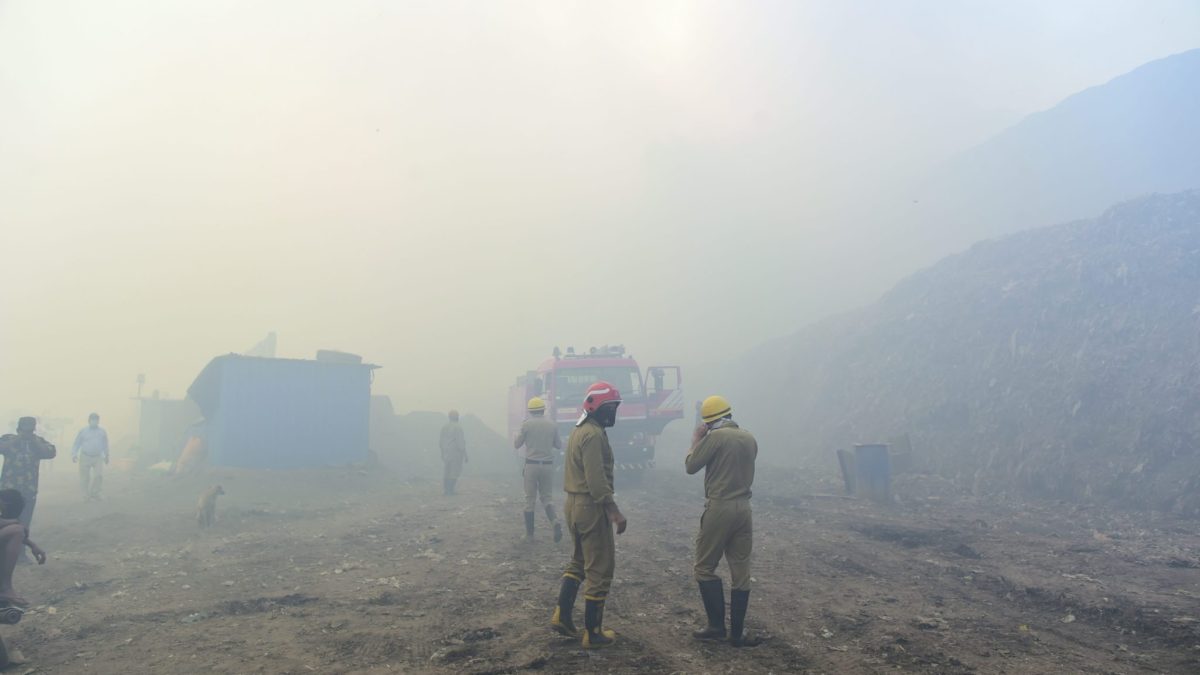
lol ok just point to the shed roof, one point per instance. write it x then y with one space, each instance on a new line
206 388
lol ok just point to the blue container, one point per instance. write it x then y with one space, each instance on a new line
873 472
265 413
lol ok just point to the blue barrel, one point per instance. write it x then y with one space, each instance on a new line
873 472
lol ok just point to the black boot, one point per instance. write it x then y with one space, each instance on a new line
738 602
595 635
713 595
529 524
557 525
562 621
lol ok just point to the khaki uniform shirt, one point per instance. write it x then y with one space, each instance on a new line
588 467
540 438
727 456
453 443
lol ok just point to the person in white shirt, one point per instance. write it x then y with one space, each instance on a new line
91 452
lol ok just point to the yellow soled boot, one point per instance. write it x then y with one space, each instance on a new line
561 621
594 634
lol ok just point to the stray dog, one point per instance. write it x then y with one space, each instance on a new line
206 508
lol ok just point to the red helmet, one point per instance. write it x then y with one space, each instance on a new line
598 394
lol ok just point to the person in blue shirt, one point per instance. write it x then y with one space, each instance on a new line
91 452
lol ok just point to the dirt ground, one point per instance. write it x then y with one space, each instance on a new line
349 571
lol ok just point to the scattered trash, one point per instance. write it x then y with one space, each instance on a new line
194 617
479 634
931 623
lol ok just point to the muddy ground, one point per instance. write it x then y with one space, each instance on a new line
348 571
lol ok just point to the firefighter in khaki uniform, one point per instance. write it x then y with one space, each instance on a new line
591 513
454 452
540 438
726 453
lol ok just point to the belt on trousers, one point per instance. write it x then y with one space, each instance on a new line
536 461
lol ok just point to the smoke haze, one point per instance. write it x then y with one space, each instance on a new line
452 189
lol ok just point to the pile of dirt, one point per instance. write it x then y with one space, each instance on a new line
1058 362
409 442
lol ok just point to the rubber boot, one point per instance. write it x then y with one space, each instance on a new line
712 593
562 621
529 525
595 635
557 525
446 487
738 602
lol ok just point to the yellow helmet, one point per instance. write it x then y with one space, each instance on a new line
714 408
536 404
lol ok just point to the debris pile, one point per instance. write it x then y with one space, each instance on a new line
1059 362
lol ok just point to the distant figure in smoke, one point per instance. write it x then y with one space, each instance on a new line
13 540
540 438
454 452
23 453
726 452
91 452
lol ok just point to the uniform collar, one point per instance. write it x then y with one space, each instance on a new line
722 423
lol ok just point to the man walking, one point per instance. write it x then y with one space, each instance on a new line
540 438
23 453
726 453
91 452
591 514
454 452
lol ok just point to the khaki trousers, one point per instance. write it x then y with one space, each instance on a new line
726 529
452 469
539 479
594 559
91 474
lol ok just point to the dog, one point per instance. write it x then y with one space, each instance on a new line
206 508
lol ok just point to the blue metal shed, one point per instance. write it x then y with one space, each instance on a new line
267 413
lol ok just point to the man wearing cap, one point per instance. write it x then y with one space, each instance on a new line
540 438
90 450
726 452
454 452
591 514
23 453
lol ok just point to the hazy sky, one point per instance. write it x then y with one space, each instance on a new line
451 189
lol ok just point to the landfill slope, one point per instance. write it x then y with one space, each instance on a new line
1061 361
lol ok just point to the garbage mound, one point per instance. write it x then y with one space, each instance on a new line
1060 362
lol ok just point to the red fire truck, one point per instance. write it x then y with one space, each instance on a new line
650 399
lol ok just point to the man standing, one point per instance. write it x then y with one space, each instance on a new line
91 452
591 513
726 453
540 438
23 454
454 452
